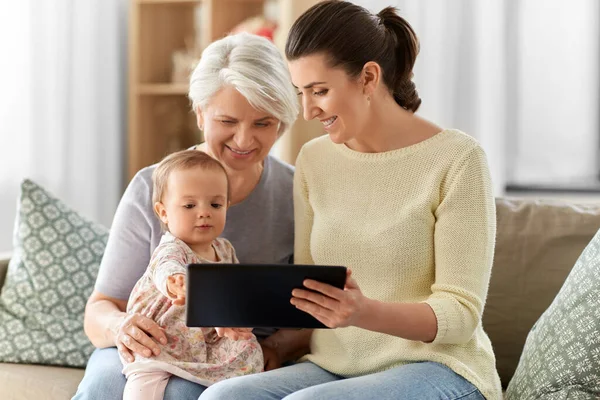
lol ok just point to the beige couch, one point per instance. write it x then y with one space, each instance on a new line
537 244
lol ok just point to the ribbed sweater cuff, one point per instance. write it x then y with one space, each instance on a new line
442 318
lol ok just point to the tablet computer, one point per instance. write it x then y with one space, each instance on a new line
252 295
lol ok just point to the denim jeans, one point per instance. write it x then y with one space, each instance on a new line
307 381
103 380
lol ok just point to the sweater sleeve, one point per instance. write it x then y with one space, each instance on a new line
464 240
168 259
303 216
128 250
229 250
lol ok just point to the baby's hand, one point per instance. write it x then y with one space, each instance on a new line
176 289
235 333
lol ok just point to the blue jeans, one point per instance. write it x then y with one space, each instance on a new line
103 380
307 381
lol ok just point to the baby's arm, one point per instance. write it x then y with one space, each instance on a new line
230 251
168 271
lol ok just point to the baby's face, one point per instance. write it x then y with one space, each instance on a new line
196 204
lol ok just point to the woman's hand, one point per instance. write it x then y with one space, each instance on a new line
334 307
271 357
235 333
176 289
134 335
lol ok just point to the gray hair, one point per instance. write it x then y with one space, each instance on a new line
255 68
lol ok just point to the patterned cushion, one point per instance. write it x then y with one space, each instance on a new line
561 358
52 273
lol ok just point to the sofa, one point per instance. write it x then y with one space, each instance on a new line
538 242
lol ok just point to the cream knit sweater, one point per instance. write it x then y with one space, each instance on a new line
415 224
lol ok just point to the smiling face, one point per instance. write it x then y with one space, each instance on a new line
237 134
331 96
194 204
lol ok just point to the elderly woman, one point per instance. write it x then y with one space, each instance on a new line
243 98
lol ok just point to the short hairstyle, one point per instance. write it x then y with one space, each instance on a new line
255 68
182 160
350 36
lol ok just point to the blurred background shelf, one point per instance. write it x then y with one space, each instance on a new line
167 1
162 89
166 38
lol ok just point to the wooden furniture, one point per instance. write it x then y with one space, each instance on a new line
289 145
160 119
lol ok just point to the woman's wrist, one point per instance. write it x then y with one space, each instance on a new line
410 321
289 344
114 325
370 312
273 344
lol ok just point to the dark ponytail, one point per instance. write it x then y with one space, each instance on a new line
404 43
350 36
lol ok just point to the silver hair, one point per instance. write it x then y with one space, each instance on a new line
254 67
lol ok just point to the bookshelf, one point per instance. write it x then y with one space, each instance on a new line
160 119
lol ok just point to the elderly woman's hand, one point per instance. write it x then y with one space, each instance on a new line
138 334
334 307
235 333
271 357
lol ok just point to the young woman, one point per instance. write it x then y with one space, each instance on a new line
405 204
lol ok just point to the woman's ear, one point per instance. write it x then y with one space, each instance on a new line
200 118
370 77
161 211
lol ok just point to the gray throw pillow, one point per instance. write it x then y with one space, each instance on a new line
56 255
561 358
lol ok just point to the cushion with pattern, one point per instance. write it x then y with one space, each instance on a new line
56 255
561 358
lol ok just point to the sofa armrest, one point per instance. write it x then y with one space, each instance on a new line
4 259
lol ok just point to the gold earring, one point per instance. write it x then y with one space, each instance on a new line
369 98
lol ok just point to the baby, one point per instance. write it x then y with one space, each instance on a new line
191 196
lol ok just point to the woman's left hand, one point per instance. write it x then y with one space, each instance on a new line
334 307
235 333
271 358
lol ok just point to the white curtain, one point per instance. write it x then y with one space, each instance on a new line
521 76
557 94
62 109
